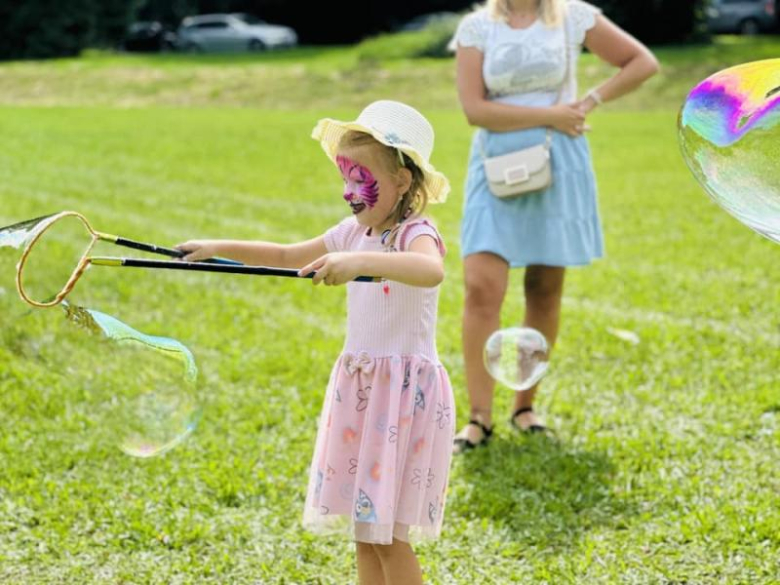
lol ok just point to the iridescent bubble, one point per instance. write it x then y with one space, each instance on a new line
147 384
52 259
135 390
19 235
729 132
517 357
118 386
12 238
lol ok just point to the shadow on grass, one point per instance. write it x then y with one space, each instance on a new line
543 490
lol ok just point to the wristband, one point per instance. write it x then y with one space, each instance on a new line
595 96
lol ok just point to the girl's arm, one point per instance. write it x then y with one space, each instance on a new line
498 117
421 266
256 253
618 48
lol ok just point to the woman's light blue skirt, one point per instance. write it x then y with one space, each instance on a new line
559 226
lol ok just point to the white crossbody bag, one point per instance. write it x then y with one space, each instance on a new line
528 170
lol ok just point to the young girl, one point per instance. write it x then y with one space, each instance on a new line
383 449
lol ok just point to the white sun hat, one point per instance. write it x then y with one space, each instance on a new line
394 124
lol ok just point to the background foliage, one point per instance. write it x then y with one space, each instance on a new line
46 28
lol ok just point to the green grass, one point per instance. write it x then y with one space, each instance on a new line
666 470
314 79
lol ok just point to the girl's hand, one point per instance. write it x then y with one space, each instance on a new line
198 250
569 119
333 269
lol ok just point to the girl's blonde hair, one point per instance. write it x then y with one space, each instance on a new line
414 201
550 11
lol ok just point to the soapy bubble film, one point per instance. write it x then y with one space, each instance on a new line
102 381
59 245
137 391
54 257
19 234
729 132
517 357
149 383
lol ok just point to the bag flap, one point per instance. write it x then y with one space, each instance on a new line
533 159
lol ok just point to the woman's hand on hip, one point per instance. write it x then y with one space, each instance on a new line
569 119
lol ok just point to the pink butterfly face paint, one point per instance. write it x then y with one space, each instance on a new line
361 189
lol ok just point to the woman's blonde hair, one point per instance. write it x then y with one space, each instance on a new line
414 201
550 11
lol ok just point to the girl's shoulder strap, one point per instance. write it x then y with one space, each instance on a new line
415 227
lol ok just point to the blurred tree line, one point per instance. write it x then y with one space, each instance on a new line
56 28
50 28
346 21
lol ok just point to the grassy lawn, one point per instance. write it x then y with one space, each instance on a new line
667 466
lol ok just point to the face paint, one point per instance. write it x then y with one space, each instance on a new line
360 186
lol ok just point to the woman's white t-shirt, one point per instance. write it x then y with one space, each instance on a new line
526 67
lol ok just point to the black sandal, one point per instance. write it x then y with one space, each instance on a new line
462 444
533 429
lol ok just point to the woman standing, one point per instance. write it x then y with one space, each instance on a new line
517 71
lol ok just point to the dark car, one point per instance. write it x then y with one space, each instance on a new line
149 36
747 17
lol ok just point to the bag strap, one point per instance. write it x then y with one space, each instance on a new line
566 73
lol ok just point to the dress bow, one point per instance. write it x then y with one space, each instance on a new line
361 361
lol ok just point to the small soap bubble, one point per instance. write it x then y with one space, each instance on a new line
517 357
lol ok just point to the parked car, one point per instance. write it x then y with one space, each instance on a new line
232 32
149 36
747 17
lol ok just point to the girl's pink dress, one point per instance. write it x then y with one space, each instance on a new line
384 444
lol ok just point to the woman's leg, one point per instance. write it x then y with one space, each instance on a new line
399 563
486 276
543 293
369 566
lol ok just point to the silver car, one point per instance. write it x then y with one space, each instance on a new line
748 17
232 32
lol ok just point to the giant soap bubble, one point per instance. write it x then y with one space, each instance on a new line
729 132
137 391
116 385
148 383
